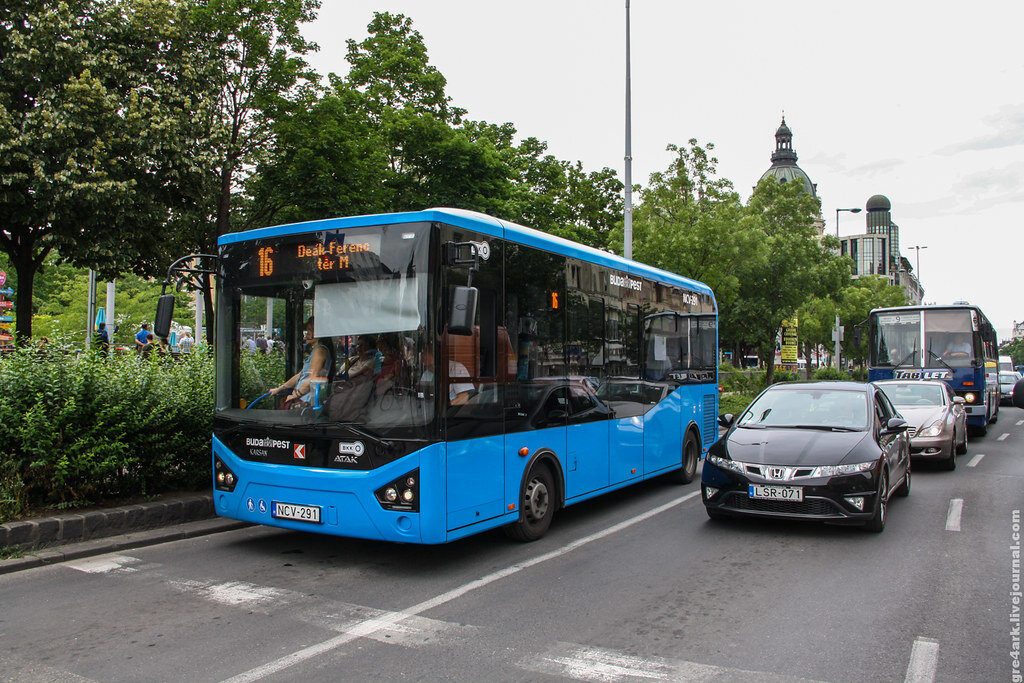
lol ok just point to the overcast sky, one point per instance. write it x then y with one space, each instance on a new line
921 102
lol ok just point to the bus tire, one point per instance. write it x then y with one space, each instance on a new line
690 456
537 506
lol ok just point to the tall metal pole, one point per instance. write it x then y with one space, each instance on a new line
90 313
110 313
918 250
628 212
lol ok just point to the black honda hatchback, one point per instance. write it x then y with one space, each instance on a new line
826 451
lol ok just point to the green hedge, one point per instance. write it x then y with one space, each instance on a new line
78 428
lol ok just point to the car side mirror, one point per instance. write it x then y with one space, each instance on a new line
462 314
959 400
896 424
726 420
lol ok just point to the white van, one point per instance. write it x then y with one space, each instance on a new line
1005 364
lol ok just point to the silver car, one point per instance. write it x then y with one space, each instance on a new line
938 421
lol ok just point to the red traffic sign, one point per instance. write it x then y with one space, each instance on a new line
6 304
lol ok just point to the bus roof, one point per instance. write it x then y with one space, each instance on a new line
929 307
479 222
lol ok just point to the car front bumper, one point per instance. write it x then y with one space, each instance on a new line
824 499
929 447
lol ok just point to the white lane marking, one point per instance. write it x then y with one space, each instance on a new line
342 617
370 626
975 460
956 508
1002 437
104 564
230 593
924 657
583 663
1020 422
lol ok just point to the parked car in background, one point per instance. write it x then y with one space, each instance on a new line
936 417
828 451
1007 380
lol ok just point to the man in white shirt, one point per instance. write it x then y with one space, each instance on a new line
458 392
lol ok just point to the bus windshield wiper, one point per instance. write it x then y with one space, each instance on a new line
913 352
936 357
380 441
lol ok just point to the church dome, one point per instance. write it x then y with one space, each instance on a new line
784 167
789 174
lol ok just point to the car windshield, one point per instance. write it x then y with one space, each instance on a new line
913 394
807 407
1008 378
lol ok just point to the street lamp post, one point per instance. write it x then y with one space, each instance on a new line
853 210
627 217
918 248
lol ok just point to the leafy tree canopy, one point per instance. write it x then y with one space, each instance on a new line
90 118
789 264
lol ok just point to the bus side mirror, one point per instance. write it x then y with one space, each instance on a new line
858 335
164 313
462 315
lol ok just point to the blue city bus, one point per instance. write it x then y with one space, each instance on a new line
956 344
562 372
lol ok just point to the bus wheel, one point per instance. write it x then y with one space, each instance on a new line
538 506
691 453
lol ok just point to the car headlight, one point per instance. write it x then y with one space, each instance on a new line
836 470
725 463
931 430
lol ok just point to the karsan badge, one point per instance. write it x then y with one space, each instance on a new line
299 451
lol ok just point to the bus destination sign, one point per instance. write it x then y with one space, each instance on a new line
330 253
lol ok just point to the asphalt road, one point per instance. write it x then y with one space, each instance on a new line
638 585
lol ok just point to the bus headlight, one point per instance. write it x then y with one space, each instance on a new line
402 494
223 478
970 398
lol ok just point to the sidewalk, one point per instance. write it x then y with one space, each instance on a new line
47 540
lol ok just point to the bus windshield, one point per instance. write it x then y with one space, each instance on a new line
898 340
328 327
949 339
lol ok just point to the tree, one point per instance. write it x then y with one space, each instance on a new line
1014 349
852 304
790 265
688 222
255 74
91 95
388 138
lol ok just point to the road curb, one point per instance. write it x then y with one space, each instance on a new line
54 539
138 539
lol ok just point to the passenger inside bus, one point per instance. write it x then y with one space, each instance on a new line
319 364
458 391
